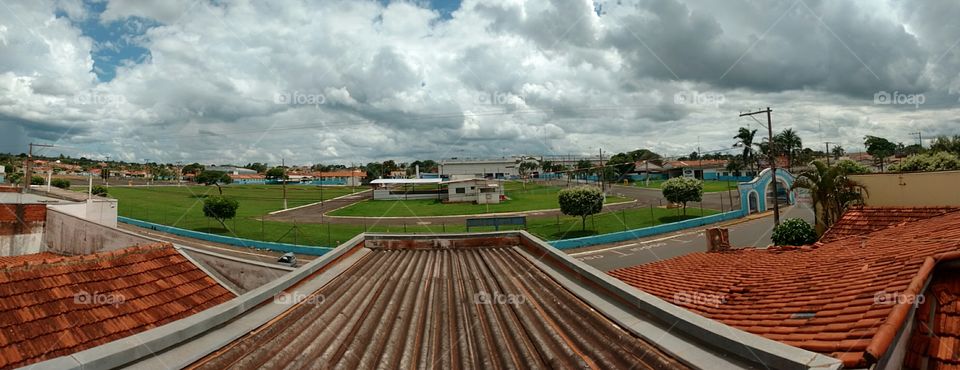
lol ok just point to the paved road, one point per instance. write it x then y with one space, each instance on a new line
230 250
752 233
314 212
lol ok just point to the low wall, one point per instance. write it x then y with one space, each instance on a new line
242 275
239 242
644 232
21 228
911 189
71 235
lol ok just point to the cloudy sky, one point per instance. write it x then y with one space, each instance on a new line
354 81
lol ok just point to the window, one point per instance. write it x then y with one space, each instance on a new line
461 190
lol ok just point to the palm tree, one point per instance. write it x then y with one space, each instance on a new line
789 143
832 191
745 140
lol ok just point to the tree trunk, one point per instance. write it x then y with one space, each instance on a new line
583 223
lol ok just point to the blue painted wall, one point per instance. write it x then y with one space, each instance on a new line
759 185
646 231
277 247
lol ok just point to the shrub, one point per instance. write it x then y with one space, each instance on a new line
37 180
794 231
682 190
60 183
581 201
99 190
220 208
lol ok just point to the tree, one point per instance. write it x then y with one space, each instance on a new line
837 152
220 208
37 180
60 183
832 192
581 201
527 167
276 173
939 161
745 140
99 190
193 168
851 167
946 144
217 178
788 143
257 166
794 231
681 190
879 148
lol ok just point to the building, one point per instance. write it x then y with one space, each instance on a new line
231 170
404 189
880 290
3 173
504 300
480 191
248 179
345 177
57 305
927 189
504 168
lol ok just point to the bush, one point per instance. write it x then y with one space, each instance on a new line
60 183
850 167
581 201
99 190
37 180
794 231
682 190
940 161
220 208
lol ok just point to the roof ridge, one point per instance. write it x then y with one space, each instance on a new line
83 258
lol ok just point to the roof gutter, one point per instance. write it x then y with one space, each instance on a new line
890 330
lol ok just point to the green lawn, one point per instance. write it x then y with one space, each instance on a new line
182 207
709 186
533 197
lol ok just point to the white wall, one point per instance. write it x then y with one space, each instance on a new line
101 211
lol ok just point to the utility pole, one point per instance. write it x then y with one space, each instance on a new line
919 137
283 178
827 143
773 163
179 173
601 172
27 173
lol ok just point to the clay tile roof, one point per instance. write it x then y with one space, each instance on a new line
859 221
54 307
838 298
27 258
936 335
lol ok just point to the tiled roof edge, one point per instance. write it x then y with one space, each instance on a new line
944 209
86 258
887 332
131 349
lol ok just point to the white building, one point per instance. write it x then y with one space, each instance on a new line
481 191
503 168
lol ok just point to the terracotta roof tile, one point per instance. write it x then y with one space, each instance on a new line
25 258
54 306
860 221
834 298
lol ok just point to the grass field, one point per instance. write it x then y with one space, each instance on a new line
709 186
534 197
182 207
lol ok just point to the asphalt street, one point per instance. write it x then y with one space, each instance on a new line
743 234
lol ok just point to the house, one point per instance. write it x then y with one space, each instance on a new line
500 299
880 290
3 172
346 177
704 169
230 170
480 191
643 170
247 179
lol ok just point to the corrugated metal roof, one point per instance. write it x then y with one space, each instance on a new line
406 181
476 307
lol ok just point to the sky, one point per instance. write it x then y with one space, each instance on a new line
355 81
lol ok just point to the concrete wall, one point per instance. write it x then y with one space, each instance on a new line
101 211
249 243
240 274
915 189
21 228
71 235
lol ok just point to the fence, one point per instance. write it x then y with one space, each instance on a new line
646 231
278 247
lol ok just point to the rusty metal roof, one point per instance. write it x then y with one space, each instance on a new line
472 307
